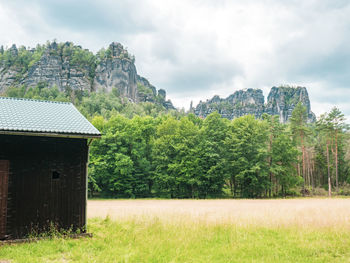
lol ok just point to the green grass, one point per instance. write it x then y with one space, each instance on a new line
150 240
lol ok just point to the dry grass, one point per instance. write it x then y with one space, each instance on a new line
202 231
324 213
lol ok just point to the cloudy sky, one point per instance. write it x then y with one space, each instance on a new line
195 49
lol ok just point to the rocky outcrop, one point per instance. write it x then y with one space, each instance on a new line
144 82
242 102
8 77
281 101
117 70
71 68
48 69
54 69
148 93
166 103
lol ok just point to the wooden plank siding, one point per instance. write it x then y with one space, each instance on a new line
4 173
38 198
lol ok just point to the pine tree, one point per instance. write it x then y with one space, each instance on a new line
336 121
325 129
300 131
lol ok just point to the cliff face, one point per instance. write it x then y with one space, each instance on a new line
281 101
240 103
117 71
53 69
70 67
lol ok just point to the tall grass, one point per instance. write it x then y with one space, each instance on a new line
181 236
151 240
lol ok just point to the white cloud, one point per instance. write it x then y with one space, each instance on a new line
196 49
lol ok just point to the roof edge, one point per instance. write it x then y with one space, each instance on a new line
47 134
47 101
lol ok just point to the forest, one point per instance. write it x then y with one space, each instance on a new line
146 151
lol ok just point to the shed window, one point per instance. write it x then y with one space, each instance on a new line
55 175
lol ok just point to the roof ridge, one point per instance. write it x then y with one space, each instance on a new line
25 99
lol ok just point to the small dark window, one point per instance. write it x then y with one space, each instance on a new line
55 175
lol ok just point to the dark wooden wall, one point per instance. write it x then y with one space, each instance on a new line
4 173
36 197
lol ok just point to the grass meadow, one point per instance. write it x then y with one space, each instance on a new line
291 230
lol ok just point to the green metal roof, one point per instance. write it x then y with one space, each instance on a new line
46 118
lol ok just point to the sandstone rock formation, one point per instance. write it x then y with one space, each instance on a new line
117 71
242 102
69 67
53 69
281 101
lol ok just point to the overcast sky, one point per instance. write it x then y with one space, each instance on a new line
196 49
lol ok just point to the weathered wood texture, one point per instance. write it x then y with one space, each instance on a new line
47 183
4 171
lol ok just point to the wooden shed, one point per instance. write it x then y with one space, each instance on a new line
43 166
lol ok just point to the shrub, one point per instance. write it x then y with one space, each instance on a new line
319 191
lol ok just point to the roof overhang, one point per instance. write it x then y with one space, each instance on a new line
49 134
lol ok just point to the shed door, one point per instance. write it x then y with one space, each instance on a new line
4 176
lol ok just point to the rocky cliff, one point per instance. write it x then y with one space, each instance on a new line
281 101
71 68
240 103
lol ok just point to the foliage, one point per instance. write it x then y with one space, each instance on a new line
90 104
40 92
332 133
187 157
282 157
120 161
175 155
211 150
247 153
144 92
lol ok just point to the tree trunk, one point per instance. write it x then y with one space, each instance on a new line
304 167
303 160
336 161
329 173
231 186
270 159
308 169
234 187
312 174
